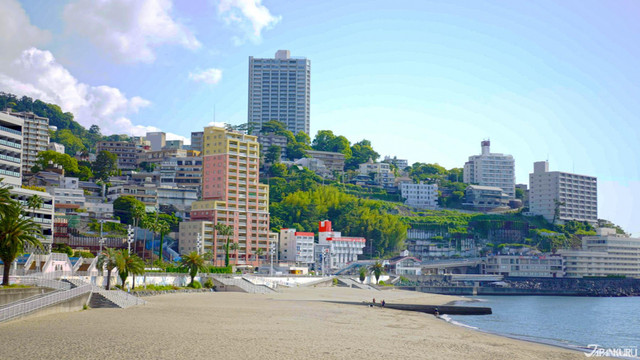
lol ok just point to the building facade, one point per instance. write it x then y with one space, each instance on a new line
382 174
35 133
295 246
422 196
196 140
189 233
333 161
157 139
485 197
127 152
335 251
232 194
491 169
268 140
11 143
575 196
525 265
606 254
279 89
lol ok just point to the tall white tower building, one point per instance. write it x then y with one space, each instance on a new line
279 89
491 169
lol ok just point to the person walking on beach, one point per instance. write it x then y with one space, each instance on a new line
374 300
382 303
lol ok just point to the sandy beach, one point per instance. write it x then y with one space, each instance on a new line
293 324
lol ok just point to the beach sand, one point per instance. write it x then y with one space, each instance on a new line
293 324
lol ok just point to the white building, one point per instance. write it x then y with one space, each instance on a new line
605 254
181 198
491 169
422 196
279 89
295 246
382 174
334 250
11 143
59 148
188 236
157 139
485 197
575 196
525 265
35 134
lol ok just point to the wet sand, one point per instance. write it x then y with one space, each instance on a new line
293 324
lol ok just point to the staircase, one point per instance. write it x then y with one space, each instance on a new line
101 298
354 284
243 285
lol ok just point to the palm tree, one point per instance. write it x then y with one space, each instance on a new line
16 231
234 247
35 202
107 258
377 269
363 274
259 253
226 231
137 214
193 262
161 227
5 195
129 264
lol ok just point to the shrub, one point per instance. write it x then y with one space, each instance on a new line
84 254
381 283
209 284
195 284
335 281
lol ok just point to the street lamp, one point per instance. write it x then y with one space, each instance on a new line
129 238
199 243
272 251
101 241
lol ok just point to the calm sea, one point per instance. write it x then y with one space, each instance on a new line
561 320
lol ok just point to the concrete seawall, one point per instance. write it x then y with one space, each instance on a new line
10 295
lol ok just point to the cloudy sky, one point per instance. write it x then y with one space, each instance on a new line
422 80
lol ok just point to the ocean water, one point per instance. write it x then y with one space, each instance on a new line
560 320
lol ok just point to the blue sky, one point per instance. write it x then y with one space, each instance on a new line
422 80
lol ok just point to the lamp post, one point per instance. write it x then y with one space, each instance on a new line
101 241
129 238
198 243
272 251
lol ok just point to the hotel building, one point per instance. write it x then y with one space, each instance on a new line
524 265
232 194
188 235
335 250
575 195
491 169
279 89
35 134
295 246
422 196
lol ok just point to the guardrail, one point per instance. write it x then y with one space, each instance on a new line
21 309
39 281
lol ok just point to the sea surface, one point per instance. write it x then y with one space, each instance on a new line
560 320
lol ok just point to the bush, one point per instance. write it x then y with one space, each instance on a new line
195 285
84 254
209 284
335 281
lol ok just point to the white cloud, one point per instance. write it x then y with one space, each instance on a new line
209 76
249 15
16 31
128 29
37 74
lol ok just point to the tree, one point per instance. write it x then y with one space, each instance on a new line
226 231
259 252
519 193
107 259
556 210
234 247
363 274
273 127
127 208
44 158
361 152
278 170
193 262
129 264
303 138
35 202
106 165
72 143
377 269
16 232
273 154
159 226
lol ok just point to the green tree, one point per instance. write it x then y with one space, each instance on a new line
44 158
127 208
363 274
273 127
107 259
303 138
106 165
377 270
193 262
278 170
273 154
361 152
128 264
161 227
72 143
226 231
16 232
35 202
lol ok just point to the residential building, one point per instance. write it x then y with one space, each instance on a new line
315 165
525 194
485 197
380 173
184 172
59 148
422 196
295 246
157 139
181 198
267 140
35 133
157 157
232 193
98 209
334 250
606 254
147 194
400 163
428 242
11 142
405 265
491 169
574 196
188 237
69 197
333 161
173 144
525 265
279 89
127 152
196 140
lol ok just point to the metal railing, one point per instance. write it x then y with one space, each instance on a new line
21 309
40 281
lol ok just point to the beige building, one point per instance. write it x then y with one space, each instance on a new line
576 196
127 152
188 237
333 161
605 254
35 133
491 169
524 265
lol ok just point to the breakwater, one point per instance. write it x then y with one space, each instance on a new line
427 309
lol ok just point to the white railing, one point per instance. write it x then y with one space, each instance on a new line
17 310
39 281
119 297
245 285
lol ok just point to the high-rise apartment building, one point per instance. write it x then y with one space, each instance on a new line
157 139
127 151
232 194
279 89
35 133
491 169
575 196
196 140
